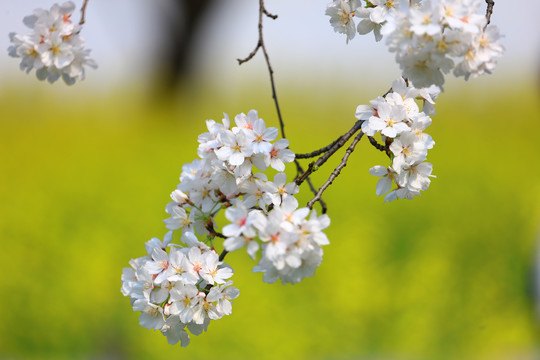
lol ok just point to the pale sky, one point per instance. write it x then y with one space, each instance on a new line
122 35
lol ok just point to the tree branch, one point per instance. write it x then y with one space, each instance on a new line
300 170
376 144
319 151
83 12
212 231
261 46
330 149
313 166
337 170
489 11
223 254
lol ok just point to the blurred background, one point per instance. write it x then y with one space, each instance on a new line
87 170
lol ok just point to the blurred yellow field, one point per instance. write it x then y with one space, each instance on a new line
450 275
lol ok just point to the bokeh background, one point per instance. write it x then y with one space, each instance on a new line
85 173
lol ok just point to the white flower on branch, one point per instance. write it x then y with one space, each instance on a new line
180 289
54 47
342 13
173 289
430 38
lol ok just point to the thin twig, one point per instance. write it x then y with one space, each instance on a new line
489 12
83 12
337 170
261 46
272 16
330 149
300 170
313 166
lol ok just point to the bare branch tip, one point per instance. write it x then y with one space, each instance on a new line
271 16
489 12
83 12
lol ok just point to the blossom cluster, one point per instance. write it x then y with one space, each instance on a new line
401 124
180 288
53 47
430 38
264 214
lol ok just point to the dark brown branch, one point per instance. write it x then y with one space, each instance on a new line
317 152
300 170
337 170
272 16
251 54
489 11
313 166
329 150
376 144
261 46
83 12
223 254
212 231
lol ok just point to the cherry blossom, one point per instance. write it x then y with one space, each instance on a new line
54 47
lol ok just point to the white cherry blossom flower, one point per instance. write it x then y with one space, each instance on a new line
237 242
204 310
175 331
212 272
407 150
180 268
416 177
157 243
236 147
367 25
364 112
418 124
244 122
280 155
262 137
389 121
426 20
159 265
342 14
277 190
387 178
223 294
183 299
241 222
151 316
179 218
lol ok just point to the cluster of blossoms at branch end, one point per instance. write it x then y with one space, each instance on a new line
398 119
188 286
178 288
54 47
430 38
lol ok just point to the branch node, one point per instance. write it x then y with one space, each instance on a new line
271 16
337 170
376 144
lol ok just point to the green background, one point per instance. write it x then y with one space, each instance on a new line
451 275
